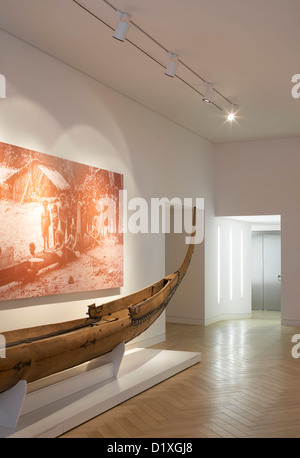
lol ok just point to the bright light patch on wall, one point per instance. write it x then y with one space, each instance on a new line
219 265
242 263
230 264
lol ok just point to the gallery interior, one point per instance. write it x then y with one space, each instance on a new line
183 102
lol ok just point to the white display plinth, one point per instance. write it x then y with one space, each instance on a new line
50 411
11 403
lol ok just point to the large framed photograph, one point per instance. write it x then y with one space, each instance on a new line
60 225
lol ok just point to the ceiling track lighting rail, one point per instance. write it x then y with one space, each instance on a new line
120 32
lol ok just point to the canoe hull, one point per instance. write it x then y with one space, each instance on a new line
35 353
65 349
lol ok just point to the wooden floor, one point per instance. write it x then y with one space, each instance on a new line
247 385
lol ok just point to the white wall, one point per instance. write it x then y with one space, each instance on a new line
188 304
233 270
221 280
54 109
261 178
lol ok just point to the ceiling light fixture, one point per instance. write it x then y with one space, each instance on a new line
232 113
122 27
209 93
120 32
173 65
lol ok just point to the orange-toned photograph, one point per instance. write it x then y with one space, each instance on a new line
59 228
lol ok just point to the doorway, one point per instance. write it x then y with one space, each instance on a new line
266 271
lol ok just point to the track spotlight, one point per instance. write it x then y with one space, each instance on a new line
231 114
209 93
120 34
173 65
122 27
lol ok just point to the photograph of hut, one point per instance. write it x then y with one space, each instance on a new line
60 225
36 180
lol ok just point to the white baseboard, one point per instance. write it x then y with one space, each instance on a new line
228 316
287 322
179 319
208 321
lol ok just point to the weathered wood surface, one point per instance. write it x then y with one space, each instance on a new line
37 352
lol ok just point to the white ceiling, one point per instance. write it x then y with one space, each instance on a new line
249 50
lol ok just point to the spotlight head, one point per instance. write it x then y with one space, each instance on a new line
173 65
122 27
232 113
209 93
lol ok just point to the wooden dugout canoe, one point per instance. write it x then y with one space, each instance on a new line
37 352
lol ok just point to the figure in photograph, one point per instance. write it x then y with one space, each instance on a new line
60 247
63 214
33 263
96 226
70 213
72 245
45 223
54 221
91 211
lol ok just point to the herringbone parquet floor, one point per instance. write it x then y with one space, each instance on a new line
247 385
